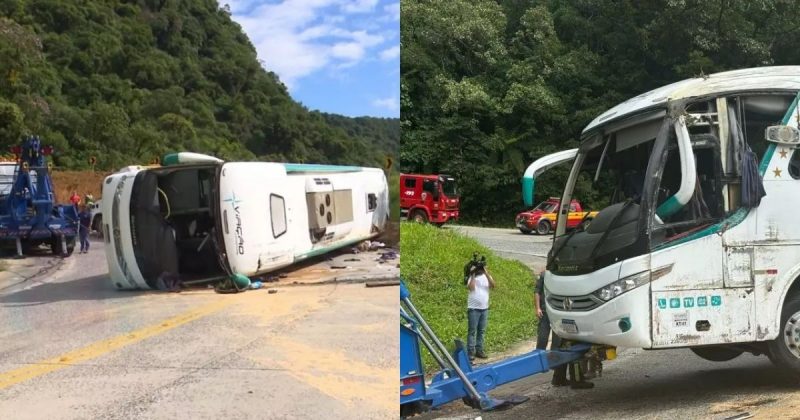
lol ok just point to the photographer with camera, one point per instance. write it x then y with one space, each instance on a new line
478 281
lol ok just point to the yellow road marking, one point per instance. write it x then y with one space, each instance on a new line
100 348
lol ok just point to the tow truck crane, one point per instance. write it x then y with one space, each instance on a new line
28 215
458 379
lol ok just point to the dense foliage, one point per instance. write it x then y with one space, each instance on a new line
128 80
489 86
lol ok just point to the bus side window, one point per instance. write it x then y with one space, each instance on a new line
372 202
277 209
794 164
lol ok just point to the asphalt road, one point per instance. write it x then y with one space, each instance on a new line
531 249
664 384
73 348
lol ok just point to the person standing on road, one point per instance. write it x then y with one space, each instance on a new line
543 335
480 281
84 219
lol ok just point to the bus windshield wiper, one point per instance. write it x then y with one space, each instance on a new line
569 235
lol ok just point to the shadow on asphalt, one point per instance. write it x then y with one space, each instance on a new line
695 384
719 388
88 288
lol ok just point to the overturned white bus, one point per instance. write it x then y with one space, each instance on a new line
687 251
209 219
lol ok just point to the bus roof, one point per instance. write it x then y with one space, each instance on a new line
754 79
311 167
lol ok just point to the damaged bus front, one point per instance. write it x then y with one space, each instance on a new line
695 245
207 219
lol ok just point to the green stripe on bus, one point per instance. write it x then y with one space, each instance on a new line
668 208
527 191
310 167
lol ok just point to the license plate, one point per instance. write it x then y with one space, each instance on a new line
569 326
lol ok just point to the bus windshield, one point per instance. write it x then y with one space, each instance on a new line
608 175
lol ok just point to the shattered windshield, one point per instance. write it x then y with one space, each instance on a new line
608 178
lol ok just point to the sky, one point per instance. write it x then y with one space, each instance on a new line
336 56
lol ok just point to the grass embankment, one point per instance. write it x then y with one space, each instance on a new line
432 264
394 195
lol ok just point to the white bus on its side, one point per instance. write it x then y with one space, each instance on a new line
208 219
687 251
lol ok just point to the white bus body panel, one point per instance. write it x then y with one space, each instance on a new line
123 271
260 251
246 191
601 325
735 279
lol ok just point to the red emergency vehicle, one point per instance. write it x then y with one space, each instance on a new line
542 218
428 198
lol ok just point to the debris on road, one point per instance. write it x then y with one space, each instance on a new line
387 256
741 416
382 283
272 291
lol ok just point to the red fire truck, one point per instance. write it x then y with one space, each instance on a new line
428 198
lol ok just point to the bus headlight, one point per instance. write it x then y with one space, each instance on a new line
622 285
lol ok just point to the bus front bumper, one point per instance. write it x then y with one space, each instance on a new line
621 322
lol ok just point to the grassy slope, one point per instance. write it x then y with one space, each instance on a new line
432 264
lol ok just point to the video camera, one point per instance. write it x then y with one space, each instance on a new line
474 262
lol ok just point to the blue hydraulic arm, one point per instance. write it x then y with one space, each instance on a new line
460 380
29 212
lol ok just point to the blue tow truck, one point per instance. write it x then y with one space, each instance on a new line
458 379
29 216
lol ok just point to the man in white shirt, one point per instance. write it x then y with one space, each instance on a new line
480 281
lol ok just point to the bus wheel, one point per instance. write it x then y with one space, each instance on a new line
97 224
543 228
785 348
716 354
419 217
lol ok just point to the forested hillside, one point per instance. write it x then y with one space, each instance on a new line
489 86
127 81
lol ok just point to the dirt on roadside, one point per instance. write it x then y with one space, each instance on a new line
390 236
83 182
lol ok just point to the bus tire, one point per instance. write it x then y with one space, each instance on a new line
543 227
785 348
418 216
716 354
97 224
